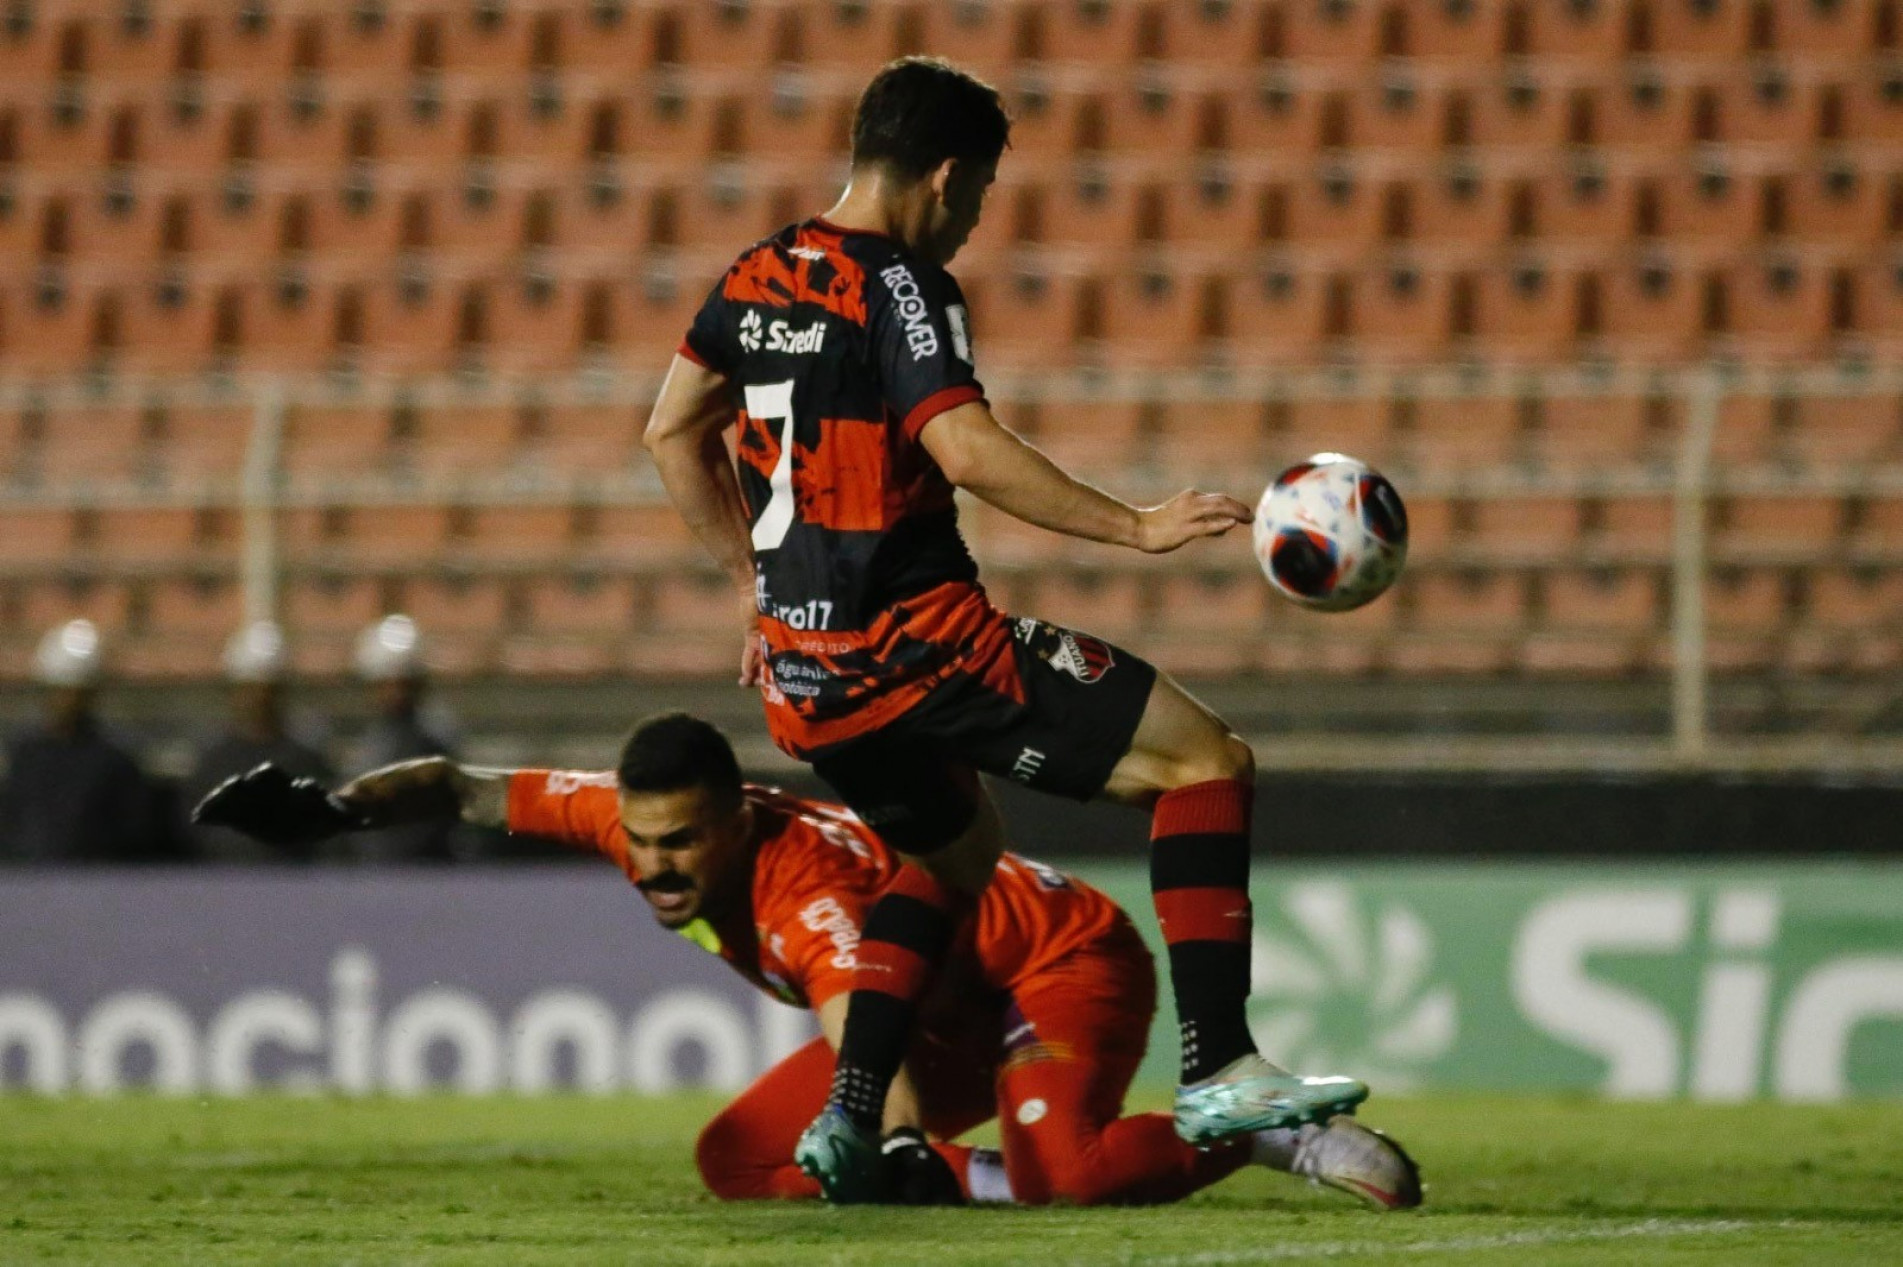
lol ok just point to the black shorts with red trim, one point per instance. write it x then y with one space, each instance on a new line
1079 702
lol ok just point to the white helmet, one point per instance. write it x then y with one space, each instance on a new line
390 650
256 653
71 655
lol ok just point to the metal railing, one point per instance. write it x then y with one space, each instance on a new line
266 485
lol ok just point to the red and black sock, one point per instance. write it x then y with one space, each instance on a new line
905 938
1199 878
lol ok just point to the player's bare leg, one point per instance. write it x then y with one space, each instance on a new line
1198 780
905 938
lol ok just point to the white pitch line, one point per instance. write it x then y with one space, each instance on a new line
1648 1229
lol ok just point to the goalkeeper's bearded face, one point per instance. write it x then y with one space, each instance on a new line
689 847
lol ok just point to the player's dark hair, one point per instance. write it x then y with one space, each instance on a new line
669 752
919 111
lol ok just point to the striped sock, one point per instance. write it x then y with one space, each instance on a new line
1199 879
901 946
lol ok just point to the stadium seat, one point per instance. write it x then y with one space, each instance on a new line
1528 313
1768 528
1082 436
1651 312
1209 442
1460 622
508 534
1105 603
90 444
1781 310
380 536
34 604
1591 432
1636 528
463 616
1154 318
1526 528
1851 205
174 536
1402 314
1596 622
323 615
1288 316
1208 624
1848 429
1745 611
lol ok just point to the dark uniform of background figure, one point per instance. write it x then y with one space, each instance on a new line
72 792
256 661
390 661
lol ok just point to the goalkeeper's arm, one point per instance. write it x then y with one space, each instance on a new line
430 790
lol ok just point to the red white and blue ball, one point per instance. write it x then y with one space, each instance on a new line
1331 533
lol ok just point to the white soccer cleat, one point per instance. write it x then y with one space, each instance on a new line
1250 1094
1346 1156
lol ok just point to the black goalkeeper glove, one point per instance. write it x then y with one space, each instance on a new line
914 1172
267 804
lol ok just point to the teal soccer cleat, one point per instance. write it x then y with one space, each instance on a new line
844 1159
1250 1094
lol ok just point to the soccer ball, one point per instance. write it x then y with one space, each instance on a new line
1331 533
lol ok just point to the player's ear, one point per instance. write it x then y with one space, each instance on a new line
941 178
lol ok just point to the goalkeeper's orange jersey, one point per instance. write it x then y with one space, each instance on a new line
816 871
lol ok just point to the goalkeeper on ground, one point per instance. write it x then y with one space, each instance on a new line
1040 1019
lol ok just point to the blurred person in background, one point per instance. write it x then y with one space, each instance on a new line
391 661
257 661
73 792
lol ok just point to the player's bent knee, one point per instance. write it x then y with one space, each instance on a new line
721 1156
1227 759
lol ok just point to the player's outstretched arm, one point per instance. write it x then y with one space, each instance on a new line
429 790
684 438
993 464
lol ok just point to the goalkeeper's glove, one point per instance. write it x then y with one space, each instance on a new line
267 804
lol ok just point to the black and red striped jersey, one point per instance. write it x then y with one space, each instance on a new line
840 346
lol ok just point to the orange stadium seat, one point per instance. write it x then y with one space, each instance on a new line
1082 435
1781 310
1220 215
34 535
1530 312
1288 315
1594 622
1456 433
1530 527
1747 427
1761 527
1682 203
1652 311
1697 27
1594 431
1107 604
519 532
692 627
1210 440
196 606
1745 611
1849 429
398 534
90 444
1210 623
1461 622
43 602
1599 32
462 616
1157 318
1402 314
1297 429
1848 205
161 535
1879 525
1632 527
1323 34
1526 111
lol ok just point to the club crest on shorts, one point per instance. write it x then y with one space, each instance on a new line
1083 657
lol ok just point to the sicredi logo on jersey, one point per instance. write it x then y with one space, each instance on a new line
780 336
912 311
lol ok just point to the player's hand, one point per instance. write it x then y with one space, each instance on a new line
914 1172
1187 516
753 660
267 804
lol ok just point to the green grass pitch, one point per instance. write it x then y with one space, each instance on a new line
577 1180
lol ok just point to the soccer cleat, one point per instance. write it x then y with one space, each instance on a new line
1250 1094
843 1158
1361 1162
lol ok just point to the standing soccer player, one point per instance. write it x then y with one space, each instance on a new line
842 348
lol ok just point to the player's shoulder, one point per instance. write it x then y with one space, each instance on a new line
797 834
